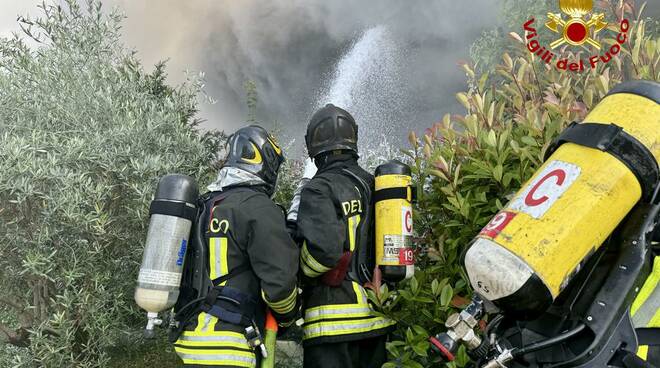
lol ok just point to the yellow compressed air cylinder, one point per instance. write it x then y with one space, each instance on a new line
394 221
529 252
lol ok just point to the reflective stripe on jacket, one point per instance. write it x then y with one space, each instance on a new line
645 310
209 347
342 320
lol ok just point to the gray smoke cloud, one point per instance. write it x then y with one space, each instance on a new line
290 49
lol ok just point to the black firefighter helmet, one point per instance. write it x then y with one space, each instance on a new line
255 151
331 128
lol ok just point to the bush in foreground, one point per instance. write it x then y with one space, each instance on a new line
85 134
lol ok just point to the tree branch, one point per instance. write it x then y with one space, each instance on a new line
20 337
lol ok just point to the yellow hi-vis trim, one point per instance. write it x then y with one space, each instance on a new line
215 357
218 267
217 339
643 352
353 223
645 310
205 323
218 258
283 306
343 319
360 294
345 327
310 266
337 311
193 348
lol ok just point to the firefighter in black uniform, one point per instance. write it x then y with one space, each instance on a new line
333 223
246 255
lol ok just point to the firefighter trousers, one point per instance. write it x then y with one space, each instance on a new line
367 353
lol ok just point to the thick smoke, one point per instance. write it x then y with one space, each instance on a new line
290 49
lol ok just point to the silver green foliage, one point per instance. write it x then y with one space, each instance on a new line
85 133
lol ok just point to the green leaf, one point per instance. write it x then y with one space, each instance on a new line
529 141
420 330
421 348
497 172
435 289
491 139
414 285
446 295
463 99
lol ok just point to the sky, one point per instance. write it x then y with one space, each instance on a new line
291 49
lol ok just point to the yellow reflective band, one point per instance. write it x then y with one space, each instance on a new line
205 323
218 258
643 352
311 262
337 311
306 270
360 294
353 223
224 357
214 333
213 341
645 311
334 328
285 305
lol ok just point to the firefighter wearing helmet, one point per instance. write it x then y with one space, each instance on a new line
241 260
332 219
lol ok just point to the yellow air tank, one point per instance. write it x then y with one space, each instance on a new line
394 221
597 171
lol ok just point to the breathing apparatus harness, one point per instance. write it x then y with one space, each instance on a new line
225 303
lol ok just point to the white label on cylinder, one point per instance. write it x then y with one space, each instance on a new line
406 221
546 188
158 277
397 250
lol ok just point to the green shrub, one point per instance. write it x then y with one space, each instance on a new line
85 134
469 166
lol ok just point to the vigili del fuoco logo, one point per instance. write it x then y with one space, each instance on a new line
578 26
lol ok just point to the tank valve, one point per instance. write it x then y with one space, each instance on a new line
499 362
460 330
152 321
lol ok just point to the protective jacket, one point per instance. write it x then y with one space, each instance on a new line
333 219
245 236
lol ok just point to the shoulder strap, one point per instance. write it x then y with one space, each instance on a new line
361 263
233 273
359 180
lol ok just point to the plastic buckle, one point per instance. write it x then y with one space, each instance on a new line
254 339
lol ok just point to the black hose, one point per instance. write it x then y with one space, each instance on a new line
548 343
194 301
493 324
220 297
